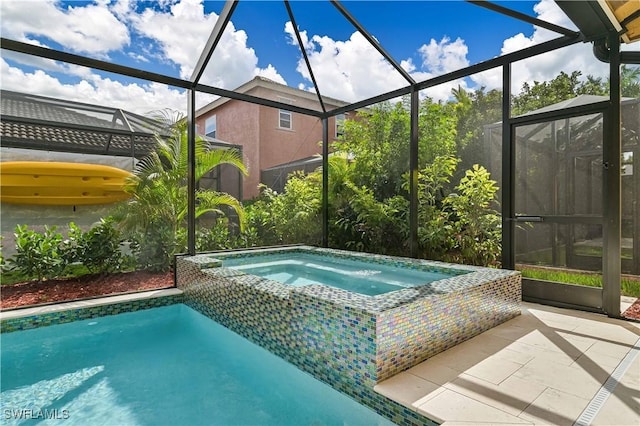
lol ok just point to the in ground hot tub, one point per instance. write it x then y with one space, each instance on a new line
351 319
302 268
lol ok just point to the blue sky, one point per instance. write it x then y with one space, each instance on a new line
428 38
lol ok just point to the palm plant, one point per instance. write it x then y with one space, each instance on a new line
157 210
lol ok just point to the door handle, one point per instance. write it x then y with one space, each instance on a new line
529 219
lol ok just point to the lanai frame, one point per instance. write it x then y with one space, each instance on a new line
594 28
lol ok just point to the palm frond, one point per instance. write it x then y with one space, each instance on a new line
211 201
211 159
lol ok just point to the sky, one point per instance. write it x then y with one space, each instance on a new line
427 38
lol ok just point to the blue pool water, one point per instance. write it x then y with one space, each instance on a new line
162 366
299 269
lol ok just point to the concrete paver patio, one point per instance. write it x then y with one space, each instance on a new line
547 366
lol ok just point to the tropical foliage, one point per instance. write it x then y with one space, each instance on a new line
49 254
368 192
458 217
156 213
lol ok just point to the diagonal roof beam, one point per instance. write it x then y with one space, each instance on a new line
70 58
214 39
523 17
373 41
304 53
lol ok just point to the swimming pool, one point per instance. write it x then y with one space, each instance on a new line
168 365
300 269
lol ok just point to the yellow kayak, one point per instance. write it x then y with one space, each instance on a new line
61 184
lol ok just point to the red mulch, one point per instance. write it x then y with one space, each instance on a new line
633 311
36 293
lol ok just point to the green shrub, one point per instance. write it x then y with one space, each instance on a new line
154 247
291 217
39 255
98 248
363 223
460 226
476 226
221 237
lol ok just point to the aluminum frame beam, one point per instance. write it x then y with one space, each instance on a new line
70 58
414 151
325 182
508 174
523 17
256 100
72 126
612 209
372 41
191 173
304 54
214 39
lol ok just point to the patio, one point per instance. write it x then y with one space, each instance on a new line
547 366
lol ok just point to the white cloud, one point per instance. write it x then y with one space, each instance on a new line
171 31
182 31
349 70
546 66
352 70
440 58
139 98
271 73
288 28
87 29
444 56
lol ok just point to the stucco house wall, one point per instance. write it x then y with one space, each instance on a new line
257 128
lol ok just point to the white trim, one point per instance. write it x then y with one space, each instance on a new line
215 125
280 112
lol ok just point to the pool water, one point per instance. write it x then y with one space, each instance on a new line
161 366
299 269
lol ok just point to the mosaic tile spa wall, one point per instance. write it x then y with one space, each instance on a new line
409 334
346 337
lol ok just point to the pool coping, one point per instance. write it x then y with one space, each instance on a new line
87 303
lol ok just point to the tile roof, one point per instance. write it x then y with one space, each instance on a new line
37 122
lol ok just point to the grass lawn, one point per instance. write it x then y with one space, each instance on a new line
630 286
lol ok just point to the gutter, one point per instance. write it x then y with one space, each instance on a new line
603 53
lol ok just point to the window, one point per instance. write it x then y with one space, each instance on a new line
210 126
340 125
285 119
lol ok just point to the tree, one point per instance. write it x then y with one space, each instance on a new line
474 111
630 81
379 140
158 207
561 88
